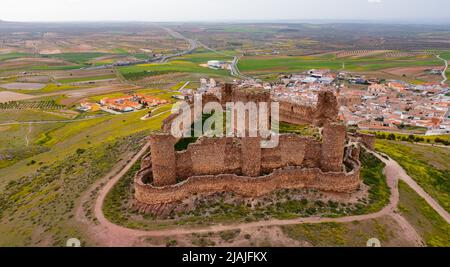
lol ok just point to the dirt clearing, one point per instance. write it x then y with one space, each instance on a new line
11 96
22 86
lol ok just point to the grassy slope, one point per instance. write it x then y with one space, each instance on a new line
428 166
28 115
66 139
433 229
41 210
353 234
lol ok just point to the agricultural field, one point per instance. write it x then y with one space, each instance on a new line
52 153
266 64
176 66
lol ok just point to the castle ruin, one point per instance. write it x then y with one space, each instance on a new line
241 166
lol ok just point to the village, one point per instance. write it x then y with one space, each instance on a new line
365 103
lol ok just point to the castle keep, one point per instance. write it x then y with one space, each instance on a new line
241 166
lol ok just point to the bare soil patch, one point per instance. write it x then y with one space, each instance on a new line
23 86
411 71
11 96
34 79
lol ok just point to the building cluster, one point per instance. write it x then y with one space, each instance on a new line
131 103
219 65
368 103
122 104
395 105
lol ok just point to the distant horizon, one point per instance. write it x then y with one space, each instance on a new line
378 11
253 21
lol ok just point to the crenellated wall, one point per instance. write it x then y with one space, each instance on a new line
286 178
240 165
241 156
325 111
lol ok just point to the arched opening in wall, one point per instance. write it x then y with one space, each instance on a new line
292 109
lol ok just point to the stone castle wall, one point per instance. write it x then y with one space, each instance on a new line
367 139
240 165
242 156
325 111
287 178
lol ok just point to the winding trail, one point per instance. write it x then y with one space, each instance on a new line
444 72
107 233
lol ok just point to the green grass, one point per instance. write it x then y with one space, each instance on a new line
41 210
355 234
17 142
49 88
413 138
304 130
430 225
140 71
66 139
64 67
293 64
372 175
119 197
28 115
13 56
428 166
78 58
203 58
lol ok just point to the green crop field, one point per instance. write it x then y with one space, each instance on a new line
176 66
79 58
13 56
63 67
204 57
428 166
294 64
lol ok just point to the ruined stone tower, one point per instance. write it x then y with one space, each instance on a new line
163 159
333 144
327 109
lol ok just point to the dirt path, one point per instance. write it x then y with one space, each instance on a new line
109 234
444 72
401 174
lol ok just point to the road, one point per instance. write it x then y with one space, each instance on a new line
235 72
109 234
444 72
193 45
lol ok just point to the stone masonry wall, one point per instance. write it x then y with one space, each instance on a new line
288 178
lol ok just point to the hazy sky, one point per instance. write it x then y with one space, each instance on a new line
223 10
